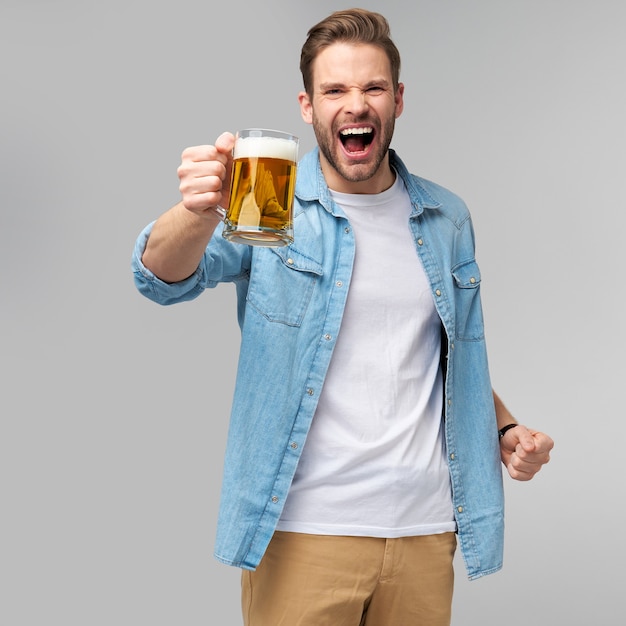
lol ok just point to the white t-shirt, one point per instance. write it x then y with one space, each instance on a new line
374 460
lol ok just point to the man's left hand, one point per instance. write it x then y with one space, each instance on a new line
524 452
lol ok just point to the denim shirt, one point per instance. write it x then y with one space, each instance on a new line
290 305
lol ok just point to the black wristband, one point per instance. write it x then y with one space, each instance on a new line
504 429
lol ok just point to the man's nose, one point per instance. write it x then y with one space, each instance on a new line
356 102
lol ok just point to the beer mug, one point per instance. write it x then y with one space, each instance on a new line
262 187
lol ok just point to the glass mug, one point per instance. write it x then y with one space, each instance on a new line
262 188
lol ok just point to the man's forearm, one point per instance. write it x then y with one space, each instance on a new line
503 415
177 242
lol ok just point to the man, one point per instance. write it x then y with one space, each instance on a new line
364 435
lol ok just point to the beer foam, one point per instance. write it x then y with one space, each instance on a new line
272 147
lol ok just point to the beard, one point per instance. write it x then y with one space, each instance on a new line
355 172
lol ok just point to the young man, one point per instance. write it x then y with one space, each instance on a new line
364 436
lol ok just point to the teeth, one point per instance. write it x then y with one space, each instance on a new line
357 131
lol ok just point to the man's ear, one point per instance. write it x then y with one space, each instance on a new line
399 100
306 109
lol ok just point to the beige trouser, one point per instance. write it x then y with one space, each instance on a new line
321 580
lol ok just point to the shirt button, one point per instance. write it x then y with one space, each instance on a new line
472 280
346 230
327 337
339 283
293 445
438 292
459 509
309 391
274 499
290 261
420 242
452 457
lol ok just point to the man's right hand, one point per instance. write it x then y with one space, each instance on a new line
204 175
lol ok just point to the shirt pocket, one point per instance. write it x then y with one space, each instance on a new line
468 308
282 283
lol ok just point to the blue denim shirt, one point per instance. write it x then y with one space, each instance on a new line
290 305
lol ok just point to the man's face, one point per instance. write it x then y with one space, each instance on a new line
353 111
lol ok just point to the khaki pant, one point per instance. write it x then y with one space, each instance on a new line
320 580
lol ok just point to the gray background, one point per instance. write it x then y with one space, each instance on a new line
114 410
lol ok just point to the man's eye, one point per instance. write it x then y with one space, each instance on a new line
374 90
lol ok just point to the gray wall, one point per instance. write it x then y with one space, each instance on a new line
114 410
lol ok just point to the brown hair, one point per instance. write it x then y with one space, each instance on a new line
352 26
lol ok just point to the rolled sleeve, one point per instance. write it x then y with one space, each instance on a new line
153 287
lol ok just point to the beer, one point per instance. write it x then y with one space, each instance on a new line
262 189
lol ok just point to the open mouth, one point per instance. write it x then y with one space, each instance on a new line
356 139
